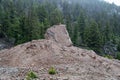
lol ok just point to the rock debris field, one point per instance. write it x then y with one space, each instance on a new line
56 50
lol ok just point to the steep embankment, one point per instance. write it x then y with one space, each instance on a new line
71 63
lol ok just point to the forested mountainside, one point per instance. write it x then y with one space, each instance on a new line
92 24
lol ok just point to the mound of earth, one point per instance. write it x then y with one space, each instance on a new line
56 50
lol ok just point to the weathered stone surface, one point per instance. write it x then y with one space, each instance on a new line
59 34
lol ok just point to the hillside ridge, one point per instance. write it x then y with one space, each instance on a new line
56 50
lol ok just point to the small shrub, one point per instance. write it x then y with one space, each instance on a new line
52 71
31 76
108 56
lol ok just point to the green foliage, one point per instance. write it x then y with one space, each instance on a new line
108 56
52 71
56 17
118 47
118 56
31 76
78 32
92 37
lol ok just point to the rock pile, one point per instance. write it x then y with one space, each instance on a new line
56 50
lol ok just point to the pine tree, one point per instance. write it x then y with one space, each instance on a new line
56 17
81 26
92 37
107 32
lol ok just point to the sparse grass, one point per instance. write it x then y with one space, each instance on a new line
52 71
108 56
31 76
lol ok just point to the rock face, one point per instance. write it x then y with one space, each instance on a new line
5 43
71 63
59 34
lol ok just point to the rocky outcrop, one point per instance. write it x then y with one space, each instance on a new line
71 63
59 34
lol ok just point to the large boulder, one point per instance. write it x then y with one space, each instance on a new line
59 34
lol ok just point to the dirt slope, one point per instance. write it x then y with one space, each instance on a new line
71 63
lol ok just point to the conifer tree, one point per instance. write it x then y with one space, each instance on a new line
92 37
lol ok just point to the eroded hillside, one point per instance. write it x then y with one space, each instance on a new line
71 63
